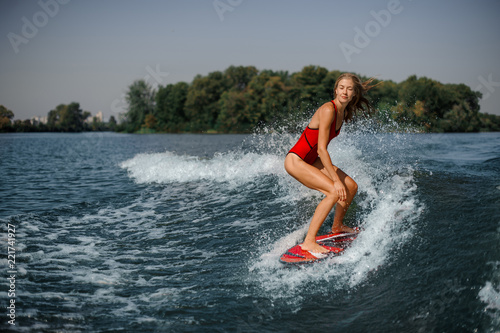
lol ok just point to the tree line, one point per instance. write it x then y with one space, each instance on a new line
64 118
241 98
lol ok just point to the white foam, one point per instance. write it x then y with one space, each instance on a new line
168 167
490 296
386 228
99 278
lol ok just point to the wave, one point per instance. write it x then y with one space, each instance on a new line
388 224
168 167
386 207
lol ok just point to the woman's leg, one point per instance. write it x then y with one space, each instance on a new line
313 178
342 206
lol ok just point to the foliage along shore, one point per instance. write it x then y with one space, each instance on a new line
241 98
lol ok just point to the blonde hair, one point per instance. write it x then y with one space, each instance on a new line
358 102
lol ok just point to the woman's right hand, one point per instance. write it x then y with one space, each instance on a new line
340 190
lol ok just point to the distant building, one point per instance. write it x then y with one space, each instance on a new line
98 117
38 120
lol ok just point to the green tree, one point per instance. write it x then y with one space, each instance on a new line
461 118
202 101
54 116
274 99
23 126
112 123
459 93
72 119
310 76
437 106
242 97
232 117
140 98
6 117
307 90
254 95
66 118
266 99
170 101
489 122
239 77
385 95
150 121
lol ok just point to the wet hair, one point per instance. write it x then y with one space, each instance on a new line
358 102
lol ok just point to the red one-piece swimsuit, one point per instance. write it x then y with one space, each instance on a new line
307 146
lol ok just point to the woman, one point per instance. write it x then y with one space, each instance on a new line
309 162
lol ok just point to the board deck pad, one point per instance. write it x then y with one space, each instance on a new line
335 242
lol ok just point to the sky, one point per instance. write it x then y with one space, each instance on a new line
61 51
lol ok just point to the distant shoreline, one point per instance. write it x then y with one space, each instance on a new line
242 98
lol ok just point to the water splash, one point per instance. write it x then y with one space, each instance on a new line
386 207
168 167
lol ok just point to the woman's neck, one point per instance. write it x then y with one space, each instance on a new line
340 107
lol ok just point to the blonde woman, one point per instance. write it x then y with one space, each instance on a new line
309 162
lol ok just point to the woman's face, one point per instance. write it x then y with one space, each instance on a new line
345 90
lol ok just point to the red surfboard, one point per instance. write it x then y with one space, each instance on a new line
335 242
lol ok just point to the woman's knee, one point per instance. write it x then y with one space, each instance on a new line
352 186
330 192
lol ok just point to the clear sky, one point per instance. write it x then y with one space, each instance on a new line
60 51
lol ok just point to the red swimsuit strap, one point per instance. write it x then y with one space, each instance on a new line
335 106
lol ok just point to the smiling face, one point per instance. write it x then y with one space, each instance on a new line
349 91
345 90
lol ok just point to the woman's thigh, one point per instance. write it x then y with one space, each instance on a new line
344 178
309 175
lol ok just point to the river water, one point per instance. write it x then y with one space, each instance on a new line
182 233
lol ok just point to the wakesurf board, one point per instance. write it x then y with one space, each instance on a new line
336 243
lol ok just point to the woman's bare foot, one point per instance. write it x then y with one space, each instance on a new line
313 247
344 228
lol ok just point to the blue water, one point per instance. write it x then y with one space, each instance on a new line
182 233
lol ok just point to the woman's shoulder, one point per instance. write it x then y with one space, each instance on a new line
328 105
324 112
326 109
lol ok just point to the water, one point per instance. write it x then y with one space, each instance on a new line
182 233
